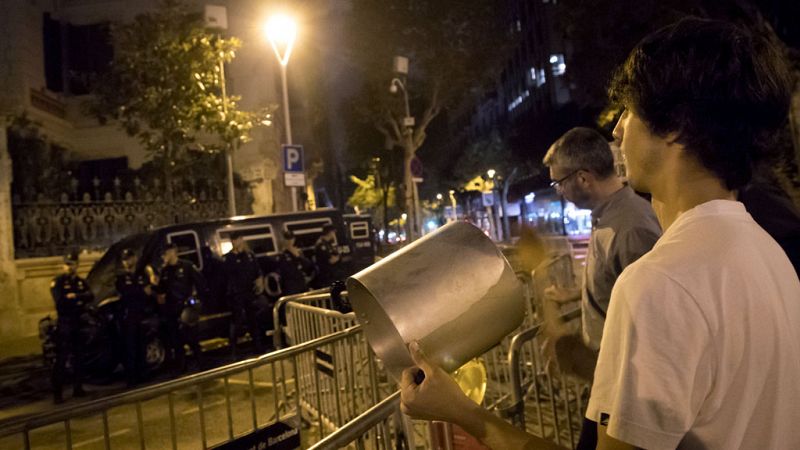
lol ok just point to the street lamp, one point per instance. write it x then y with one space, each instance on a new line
281 31
415 225
491 173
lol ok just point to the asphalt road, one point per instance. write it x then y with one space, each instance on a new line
87 433
25 390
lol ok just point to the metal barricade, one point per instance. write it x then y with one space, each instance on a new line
498 371
547 405
365 381
282 334
220 405
372 429
310 317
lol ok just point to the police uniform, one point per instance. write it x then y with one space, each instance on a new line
328 273
177 283
241 272
134 300
68 327
293 271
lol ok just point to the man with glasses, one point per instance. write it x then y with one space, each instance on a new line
624 228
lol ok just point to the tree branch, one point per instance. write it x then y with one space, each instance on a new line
433 110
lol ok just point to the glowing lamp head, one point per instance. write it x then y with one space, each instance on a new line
281 31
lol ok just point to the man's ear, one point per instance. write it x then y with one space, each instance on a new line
671 139
586 177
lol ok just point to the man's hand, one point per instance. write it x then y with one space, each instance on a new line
258 285
161 299
71 296
562 295
438 397
553 328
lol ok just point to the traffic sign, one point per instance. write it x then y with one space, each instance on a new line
294 179
292 158
416 167
488 198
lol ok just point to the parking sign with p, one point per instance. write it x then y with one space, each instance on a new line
292 158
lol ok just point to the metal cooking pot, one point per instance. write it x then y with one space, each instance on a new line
453 291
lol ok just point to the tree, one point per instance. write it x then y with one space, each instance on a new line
493 152
165 86
39 168
454 47
372 197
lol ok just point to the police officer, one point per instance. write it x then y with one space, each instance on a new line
179 284
328 259
245 285
294 268
71 295
134 292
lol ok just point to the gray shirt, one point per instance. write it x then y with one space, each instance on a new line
624 228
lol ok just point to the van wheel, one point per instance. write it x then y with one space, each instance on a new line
155 353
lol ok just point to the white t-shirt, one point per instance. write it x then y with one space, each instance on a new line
701 347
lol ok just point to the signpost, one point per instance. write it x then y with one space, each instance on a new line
416 178
293 171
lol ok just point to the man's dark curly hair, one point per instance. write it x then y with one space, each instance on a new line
724 90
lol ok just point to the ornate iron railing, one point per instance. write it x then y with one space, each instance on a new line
46 229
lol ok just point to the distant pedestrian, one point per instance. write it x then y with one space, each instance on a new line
71 295
244 285
135 293
328 259
179 286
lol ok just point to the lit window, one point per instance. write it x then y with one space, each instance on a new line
557 64
518 100
537 76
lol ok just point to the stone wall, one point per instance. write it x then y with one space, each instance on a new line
20 313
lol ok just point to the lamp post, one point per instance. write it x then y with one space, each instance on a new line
281 32
228 150
494 218
414 226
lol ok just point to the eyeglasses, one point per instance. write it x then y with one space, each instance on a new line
557 183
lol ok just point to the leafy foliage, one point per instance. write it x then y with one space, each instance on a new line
368 195
165 83
39 167
490 152
455 48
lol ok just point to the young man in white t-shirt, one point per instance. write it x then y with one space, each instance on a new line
701 346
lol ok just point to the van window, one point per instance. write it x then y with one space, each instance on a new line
359 230
259 238
306 231
188 246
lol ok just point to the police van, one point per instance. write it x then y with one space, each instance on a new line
205 243
363 239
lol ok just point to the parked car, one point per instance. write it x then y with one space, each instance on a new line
203 244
